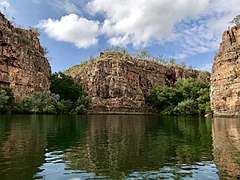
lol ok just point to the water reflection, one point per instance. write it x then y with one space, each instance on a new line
226 142
119 145
113 146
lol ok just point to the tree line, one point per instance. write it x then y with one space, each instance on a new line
188 97
65 96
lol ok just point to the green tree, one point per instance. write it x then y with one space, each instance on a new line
66 87
190 87
43 102
186 107
188 97
6 99
165 99
72 95
172 61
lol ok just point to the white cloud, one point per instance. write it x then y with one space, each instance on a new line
72 28
203 34
141 22
4 6
4 3
190 26
206 67
180 56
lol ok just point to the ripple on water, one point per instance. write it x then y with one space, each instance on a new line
55 168
201 170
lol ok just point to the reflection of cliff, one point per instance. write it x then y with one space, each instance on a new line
24 139
117 145
109 143
226 142
21 147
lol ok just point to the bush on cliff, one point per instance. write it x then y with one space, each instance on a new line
188 97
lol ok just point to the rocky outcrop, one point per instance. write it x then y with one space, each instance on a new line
23 66
118 82
225 80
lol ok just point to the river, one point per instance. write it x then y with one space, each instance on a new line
118 147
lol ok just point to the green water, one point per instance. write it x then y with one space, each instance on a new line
112 147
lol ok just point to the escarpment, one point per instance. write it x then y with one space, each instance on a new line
23 66
225 79
117 82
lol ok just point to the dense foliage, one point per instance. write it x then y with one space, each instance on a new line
188 97
65 96
72 95
66 87
39 103
6 99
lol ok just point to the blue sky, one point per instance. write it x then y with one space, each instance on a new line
73 30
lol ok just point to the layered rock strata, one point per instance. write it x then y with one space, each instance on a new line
118 82
225 79
23 66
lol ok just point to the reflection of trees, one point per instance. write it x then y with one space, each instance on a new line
121 144
21 147
23 140
226 142
113 145
111 142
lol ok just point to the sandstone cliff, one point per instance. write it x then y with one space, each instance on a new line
23 66
118 82
225 80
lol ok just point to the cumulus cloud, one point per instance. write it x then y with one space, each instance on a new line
4 5
191 26
140 22
203 34
72 28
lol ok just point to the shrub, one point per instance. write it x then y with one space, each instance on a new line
43 102
186 107
66 87
189 97
6 99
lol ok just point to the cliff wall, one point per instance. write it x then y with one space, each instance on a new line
23 66
225 79
120 83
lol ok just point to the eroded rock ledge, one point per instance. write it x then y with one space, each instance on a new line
118 82
23 66
225 79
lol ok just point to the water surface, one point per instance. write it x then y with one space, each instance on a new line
116 147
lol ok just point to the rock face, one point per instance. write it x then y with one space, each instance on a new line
225 80
23 66
120 83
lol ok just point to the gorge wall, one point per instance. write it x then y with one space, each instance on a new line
117 82
225 79
23 66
